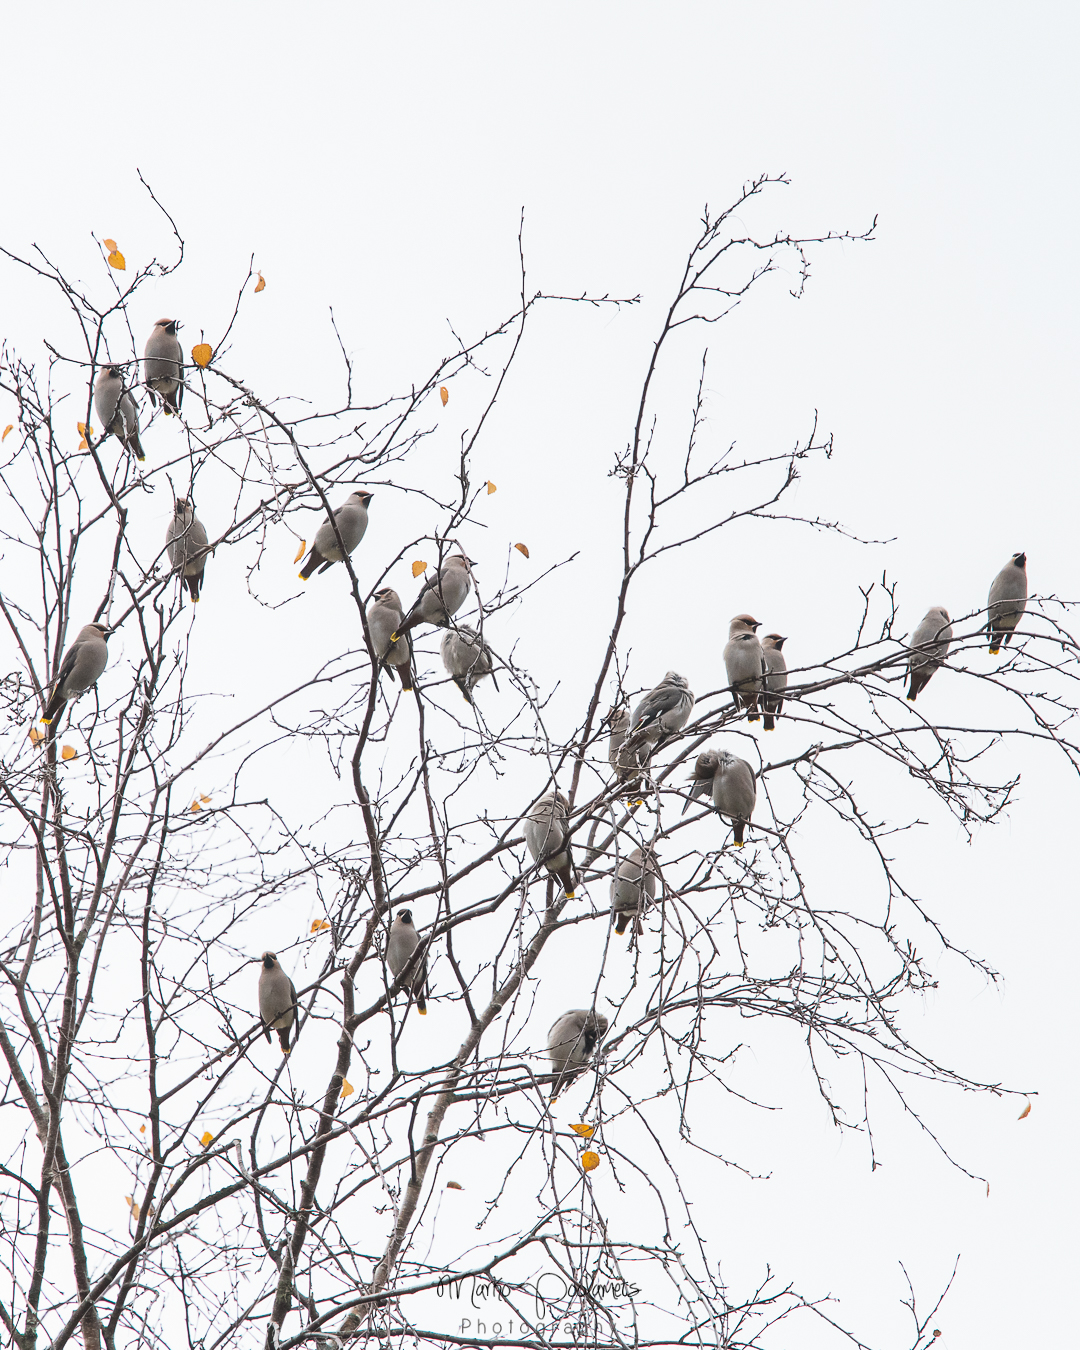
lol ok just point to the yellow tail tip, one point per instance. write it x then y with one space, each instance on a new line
46 720
911 698
393 637
301 576
569 895
994 651
738 844
422 1012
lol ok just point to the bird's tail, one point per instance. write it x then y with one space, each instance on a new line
134 445
313 559
193 584
739 829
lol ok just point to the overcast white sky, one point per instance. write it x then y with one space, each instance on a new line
377 159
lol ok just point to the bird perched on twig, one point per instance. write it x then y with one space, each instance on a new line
775 679
744 662
467 659
572 1041
626 763
547 837
116 409
277 1000
383 616
663 711
402 942
186 543
351 518
633 889
930 646
83 662
1007 601
163 365
441 595
731 782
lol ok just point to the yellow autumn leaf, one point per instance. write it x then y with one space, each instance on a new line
260 285
35 736
85 432
454 1186
6 430
132 1205
207 1139
585 1131
69 752
318 925
444 394
110 244
203 797
142 1129
195 806
589 1161
491 487
1025 1112
347 1088
202 353
303 550
418 567
116 259
522 549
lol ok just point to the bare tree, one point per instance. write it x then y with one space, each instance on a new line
154 829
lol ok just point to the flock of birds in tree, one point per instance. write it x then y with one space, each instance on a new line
756 672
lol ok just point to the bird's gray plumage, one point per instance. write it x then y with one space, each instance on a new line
383 616
83 662
546 834
775 678
933 636
663 711
573 1039
744 662
116 409
1007 601
277 1000
467 658
730 781
186 542
626 761
633 888
163 365
402 942
441 595
351 518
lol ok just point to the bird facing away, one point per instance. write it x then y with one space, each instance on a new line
441 595
933 636
186 542
351 518
775 678
1007 601
116 409
744 662
277 1000
663 711
572 1041
163 365
626 763
402 942
83 662
546 834
633 889
731 782
467 659
383 616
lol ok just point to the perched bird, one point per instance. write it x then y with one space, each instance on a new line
546 835
573 1039
775 678
441 595
467 659
731 782
186 542
626 763
744 662
163 365
933 637
633 889
277 1000
383 616
402 942
662 712
1007 601
351 519
116 408
83 662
